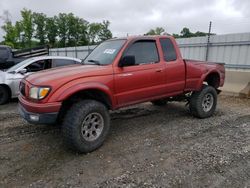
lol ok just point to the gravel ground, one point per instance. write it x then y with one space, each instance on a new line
148 146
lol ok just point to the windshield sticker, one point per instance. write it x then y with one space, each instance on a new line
109 51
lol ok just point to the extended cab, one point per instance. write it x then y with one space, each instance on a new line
119 72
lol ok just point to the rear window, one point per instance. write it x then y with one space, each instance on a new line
168 50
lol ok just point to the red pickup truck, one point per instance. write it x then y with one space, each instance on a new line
118 73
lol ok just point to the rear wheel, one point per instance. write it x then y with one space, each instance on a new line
4 95
86 125
203 103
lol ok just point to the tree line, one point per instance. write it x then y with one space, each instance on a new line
185 33
62 30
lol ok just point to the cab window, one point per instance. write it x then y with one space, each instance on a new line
168 49
145 52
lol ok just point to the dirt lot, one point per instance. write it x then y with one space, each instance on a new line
148 147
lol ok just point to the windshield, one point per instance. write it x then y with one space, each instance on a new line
15 67
105 53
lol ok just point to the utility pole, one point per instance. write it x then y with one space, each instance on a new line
208 40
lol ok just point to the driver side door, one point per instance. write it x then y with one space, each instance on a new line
143 80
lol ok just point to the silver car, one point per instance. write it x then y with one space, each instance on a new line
10 79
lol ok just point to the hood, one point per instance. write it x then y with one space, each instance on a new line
62 75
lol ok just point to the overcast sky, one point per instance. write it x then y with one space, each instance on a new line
138 16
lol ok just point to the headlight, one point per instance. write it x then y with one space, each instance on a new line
39 92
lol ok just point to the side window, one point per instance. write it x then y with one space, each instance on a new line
63 62
168 50
145 52
39 65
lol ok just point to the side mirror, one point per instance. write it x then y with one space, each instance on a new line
22 71
127 61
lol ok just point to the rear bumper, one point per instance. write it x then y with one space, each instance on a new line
39 113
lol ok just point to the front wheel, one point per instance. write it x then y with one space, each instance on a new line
203 103
86 125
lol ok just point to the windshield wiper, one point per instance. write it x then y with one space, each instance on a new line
93 61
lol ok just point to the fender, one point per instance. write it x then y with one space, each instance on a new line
65 92
203 77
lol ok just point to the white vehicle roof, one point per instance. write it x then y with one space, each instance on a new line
28 61
55 57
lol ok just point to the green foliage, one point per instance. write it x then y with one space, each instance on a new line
186 33
11 35
20 39
83 32
99 32
61 21
27 24
39 19
105 33
156 31
51 30
77 30
94 32
59 31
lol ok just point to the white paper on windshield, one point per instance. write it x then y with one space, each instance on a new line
109 51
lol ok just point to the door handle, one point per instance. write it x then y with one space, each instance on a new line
159 70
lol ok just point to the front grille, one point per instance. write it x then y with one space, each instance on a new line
22 88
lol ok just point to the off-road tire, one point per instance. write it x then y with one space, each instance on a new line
4 95
196 105
160 102
73 125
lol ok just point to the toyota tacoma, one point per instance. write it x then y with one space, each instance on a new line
117 73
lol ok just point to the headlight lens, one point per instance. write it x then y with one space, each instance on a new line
39 92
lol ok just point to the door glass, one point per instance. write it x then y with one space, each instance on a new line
145 52
39 65
63 62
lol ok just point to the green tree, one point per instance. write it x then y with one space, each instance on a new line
98 32
74 25
9 29
200 34
10 37
27 23
94 33
186 33
51 29
19 35
62 20
83 32
156 31
105 33
39 19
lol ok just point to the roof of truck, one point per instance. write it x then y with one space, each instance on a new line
143 37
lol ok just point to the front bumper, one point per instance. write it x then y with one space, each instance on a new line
38 113
36 118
